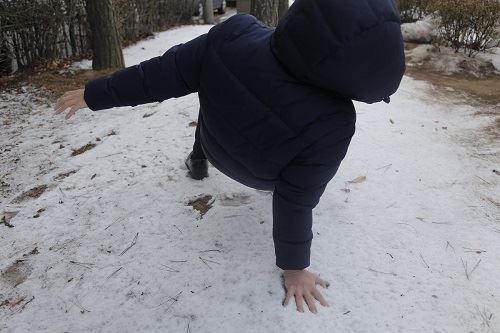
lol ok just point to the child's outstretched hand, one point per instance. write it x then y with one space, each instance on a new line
302 285
72 100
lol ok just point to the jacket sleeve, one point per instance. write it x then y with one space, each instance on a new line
296 193
176 73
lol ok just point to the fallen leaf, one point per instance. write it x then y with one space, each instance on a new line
357 180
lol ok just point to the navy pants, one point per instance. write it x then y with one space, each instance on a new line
197 150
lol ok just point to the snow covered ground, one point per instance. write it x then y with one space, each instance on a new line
111 245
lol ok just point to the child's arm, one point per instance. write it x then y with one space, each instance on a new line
297 192
176 73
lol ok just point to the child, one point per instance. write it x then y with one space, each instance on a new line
276 109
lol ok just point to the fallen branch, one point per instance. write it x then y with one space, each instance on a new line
386 167
170 269
465 266
484 180
83 264
173 299
28 302
421 257
478 251
82 309
134 241
117 220
375 271
98 157
112 274
207 260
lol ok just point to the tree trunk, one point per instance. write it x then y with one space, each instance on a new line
106 44
282 8
71 13
208 11
265 11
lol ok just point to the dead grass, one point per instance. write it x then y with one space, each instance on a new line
4 187
63 175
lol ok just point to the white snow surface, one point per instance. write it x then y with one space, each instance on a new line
445 60
422 31
395 248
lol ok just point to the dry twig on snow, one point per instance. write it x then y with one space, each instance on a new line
131 245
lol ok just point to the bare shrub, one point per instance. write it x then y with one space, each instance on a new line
412 10
470 26
140 18
35 32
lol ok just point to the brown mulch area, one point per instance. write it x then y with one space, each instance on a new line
486 90
55 79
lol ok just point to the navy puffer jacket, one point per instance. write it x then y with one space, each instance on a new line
276 104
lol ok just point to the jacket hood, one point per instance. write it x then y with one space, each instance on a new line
353 48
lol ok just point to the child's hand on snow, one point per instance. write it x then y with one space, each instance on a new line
302 285
72 100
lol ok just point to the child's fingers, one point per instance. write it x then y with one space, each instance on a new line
315 292
311 304
59 105
289 293
299 301
65 98
63 103
71 112
322 282
60 109
71 92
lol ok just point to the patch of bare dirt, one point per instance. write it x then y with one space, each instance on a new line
16 273
202 204
83 149
34 193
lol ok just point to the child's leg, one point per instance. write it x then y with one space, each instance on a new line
197 150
